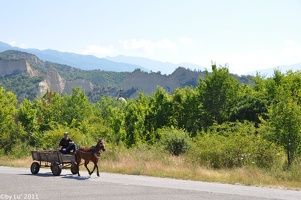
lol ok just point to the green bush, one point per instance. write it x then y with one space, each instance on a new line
20 149
236 148
267 154
175 141
50 140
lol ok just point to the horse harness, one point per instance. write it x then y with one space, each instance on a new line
93 151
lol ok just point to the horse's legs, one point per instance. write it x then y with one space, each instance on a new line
97 169
78 163
93 168
86 165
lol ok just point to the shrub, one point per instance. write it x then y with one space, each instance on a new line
20 150
174 141
236 149
267 154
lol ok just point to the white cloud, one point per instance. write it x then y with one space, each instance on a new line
166 44
147 46
138 45
99 51
15 44
241 63
185 40
288 42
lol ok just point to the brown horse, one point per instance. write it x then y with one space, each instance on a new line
90 154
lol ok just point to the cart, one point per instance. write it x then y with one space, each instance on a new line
53 159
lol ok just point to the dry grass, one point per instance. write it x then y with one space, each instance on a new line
147 163
150 163
15 162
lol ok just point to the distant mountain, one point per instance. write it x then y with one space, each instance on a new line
85 62
29 77
154 65
117 64
4 47
123 63
270 71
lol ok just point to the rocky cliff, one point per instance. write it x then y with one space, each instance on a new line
79 82
139 81
52 82
8 67
50 76
17 62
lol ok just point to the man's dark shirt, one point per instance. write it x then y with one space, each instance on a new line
65 142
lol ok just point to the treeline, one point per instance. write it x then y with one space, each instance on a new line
220 123
21 84
99 78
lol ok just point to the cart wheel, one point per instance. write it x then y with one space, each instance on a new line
74 168
56 169
35 168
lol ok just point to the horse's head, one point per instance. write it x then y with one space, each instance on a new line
101 144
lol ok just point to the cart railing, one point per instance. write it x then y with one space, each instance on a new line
47 156
52 156
53 159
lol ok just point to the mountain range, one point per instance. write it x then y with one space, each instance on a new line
124 63
283 68
154 65
117 64
27 76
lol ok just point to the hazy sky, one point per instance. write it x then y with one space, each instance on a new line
246 34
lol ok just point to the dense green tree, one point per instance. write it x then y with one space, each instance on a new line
50 110
187 109
10 131
285 112
160 111
285 121
133 121
250 105
218 93
27 116
76 107
112 113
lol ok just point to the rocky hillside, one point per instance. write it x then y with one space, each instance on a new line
29 77
84 62
138 81
8 67
14 63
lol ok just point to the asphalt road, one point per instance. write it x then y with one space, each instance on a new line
19 183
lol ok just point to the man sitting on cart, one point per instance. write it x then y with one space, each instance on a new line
67 145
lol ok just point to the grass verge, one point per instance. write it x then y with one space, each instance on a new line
153 163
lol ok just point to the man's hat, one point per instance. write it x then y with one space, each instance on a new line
65 133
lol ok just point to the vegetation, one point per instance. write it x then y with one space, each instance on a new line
220 124
98 78
105 83
21 84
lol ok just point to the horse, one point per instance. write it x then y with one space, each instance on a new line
90 154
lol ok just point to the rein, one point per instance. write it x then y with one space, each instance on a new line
96 154
86 152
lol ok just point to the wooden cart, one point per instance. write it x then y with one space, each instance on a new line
53 159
